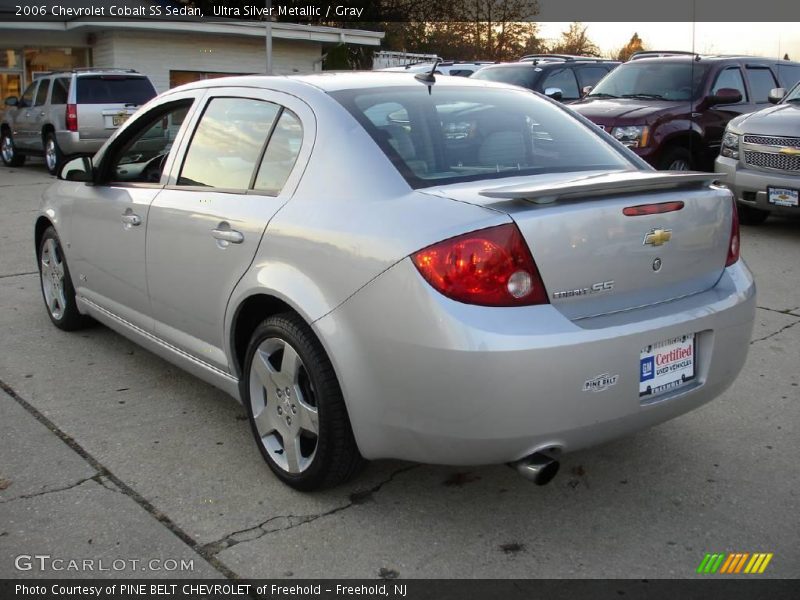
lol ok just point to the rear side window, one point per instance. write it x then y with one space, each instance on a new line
114 89
60 91
730 78
563 79
761 82
41 94
523 76
227 143
281 154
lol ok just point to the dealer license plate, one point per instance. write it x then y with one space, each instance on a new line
783 196
666 365
119 119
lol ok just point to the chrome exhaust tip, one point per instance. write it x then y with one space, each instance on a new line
539 467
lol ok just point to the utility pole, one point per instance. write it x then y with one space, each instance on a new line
269 37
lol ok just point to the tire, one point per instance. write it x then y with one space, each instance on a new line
676 159
56 284
53 157
8 151
751 216
284 424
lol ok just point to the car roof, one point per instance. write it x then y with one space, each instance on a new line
703 58
334 81
551 63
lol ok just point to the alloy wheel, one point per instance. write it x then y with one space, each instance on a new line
52 274
50 154
7 148
284 405
679 164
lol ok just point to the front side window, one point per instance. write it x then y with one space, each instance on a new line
41 93
591 75
141 159
730 78
563 79
761 82
227 143
27 95
464 134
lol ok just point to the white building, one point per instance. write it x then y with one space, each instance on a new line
169 52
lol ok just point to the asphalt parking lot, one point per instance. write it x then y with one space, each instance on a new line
108 452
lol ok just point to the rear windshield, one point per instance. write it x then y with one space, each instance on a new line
653 80
114 89
459 134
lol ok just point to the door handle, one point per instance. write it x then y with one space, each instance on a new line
228 235
131 219
41 114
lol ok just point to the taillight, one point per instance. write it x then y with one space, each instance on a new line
489 267
734 243
72 117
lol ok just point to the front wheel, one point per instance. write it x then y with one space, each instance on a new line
295 406
676 159
56 284
53 157
8 151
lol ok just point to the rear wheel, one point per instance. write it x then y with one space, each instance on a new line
53 157
8 151
676 159
57 289
295 406
751 216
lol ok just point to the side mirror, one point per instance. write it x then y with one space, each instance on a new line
554 93
12 101
724 96
776 95
587 90
77 169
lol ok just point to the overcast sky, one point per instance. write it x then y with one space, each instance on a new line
760 39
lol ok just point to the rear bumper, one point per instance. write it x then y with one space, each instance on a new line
749 186
435 381
70 143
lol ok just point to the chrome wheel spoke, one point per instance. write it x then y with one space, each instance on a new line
264 370
291 451
309 418
264 422
290 365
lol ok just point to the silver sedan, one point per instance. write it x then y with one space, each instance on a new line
384 265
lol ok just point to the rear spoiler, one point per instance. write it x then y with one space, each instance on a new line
615 182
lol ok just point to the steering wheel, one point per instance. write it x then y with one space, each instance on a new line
155 166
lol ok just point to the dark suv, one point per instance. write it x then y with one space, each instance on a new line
672 109
560 76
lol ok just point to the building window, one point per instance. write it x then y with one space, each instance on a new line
177 78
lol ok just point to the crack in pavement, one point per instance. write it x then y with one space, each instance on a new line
124 488
19 274
788 312
52 491
291 521
773 334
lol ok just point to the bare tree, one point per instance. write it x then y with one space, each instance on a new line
575 41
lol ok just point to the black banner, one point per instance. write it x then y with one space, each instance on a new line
397 589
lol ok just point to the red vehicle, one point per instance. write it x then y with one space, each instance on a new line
672 108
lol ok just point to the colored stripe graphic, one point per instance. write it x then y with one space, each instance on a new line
734 562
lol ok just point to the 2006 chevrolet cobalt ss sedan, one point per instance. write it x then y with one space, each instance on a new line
382 265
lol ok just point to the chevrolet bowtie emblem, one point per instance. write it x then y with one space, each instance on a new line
790 151
657 237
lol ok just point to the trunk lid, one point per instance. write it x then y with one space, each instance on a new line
593 258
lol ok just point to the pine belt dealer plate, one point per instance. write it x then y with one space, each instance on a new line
783 196
666 365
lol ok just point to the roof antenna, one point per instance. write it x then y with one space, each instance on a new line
428 77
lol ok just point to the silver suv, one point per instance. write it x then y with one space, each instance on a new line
760 157
71 112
